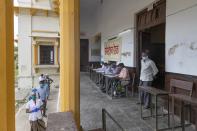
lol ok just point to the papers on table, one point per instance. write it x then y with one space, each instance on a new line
100 71
111 75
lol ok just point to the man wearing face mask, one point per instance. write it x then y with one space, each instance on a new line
42 94
147 75
33 108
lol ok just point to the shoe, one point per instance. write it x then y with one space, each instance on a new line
44 115
103 90
146 107
114 93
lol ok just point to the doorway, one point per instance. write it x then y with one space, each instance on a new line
151 36
84 54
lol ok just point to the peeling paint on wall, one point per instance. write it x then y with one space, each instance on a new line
126 54
192 46
172 50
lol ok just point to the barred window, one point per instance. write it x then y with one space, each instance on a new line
46 55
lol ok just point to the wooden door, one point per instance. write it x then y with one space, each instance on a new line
84 54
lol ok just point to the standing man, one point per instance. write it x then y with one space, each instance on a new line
33 108
42 94
48 82
147 75
41 77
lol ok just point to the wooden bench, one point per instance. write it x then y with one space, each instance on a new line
186 98
157 93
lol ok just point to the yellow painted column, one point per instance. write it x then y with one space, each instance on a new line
56 53
35 49
7 103
69 58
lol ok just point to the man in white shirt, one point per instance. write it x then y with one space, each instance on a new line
147 75
41 77
33 107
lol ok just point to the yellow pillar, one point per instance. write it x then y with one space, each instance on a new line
35 49
7 103
69 58
56 53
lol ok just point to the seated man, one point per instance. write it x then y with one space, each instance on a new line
123 77
108 69
116 69
104 67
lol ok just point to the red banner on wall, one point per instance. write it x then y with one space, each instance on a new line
113 50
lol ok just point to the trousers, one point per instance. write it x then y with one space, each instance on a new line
145 97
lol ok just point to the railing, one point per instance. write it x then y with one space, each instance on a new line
104 114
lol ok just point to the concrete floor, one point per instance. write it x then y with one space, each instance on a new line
22 122
124 110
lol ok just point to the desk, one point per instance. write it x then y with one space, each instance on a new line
91 72
157 93
184 99
100 73
94 75
109 79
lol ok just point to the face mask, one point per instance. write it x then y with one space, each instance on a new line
33 97
144 57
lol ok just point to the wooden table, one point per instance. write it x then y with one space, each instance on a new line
99 74
94 75
184 99
157 93
109 79
90 72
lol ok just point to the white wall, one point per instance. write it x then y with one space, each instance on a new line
87 25
94 46
181 38
88 18
24 46
27 24
114 16
128 49
42 4
24 49
45 23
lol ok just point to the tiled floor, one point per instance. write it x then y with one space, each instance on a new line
125 111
